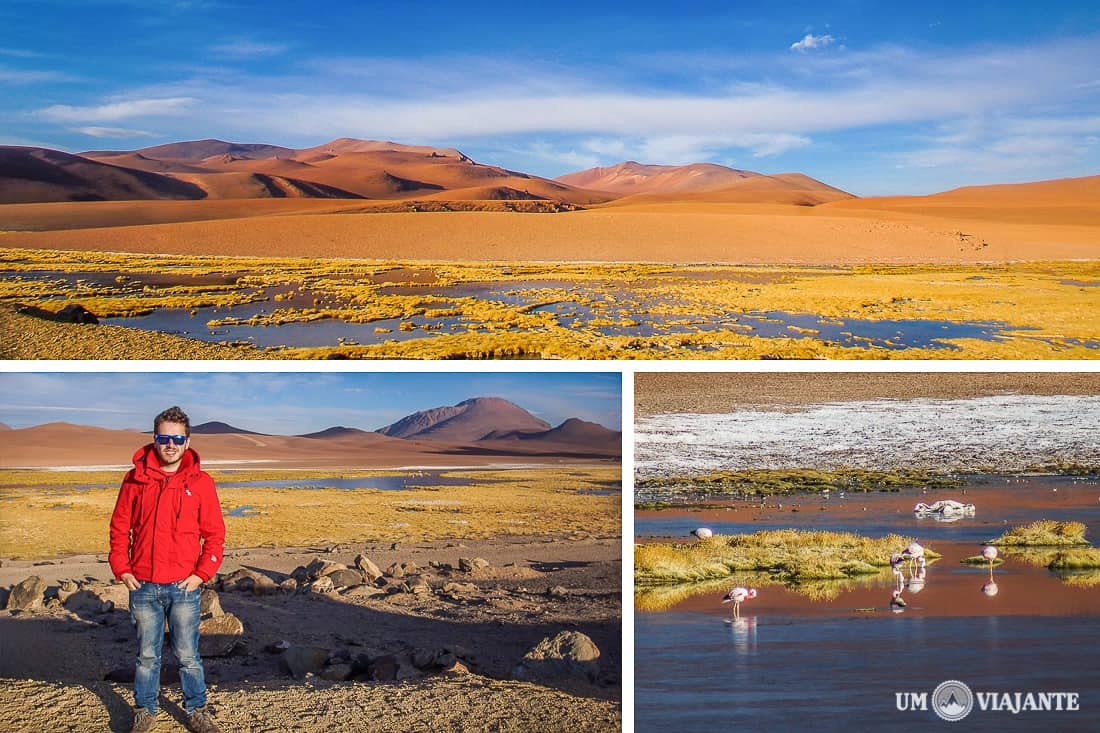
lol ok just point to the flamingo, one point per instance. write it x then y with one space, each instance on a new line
897 602
989 552
739 595
896 561
914 552
702 533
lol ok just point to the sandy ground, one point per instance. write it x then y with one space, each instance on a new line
662 392
676 232
51 671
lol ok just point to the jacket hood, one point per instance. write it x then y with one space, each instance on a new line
147 462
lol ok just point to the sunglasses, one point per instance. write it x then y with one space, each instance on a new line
166 439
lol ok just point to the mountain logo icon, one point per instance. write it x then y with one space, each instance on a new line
952 700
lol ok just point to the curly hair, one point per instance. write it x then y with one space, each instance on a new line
173 414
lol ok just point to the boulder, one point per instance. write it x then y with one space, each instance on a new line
219 635
265 586
75 313
84 603
383 669
395 571
27 595
302 660
570 654
469 565
322 585
210 606
419 586
317 568
290 585
410 568
369 570
345 578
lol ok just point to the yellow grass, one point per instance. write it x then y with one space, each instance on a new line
786 555
1044 533
45 522
1043 310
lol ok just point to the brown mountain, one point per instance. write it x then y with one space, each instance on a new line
467 421
216 427
702 182
30 175
198 149
338 431
631 177
572 431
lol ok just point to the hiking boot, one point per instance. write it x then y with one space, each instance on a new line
144 721
201 722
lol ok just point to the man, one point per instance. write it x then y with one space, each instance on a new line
167 535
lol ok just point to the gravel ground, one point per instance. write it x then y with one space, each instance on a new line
27 337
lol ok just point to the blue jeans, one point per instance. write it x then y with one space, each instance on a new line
150 605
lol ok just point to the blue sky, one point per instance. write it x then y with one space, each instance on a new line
294 403
873 97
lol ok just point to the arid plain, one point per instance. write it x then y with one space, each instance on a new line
490 529
445 257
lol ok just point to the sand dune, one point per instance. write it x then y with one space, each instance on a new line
1064 201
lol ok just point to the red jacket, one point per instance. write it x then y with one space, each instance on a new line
166 526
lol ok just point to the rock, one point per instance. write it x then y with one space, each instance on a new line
301 574
277 647
337 673
459 589
4 593
383 669
410 568
66 588
406 670
210 605
290 585
569 654
369 570
345 578
265 586
117 594
469 565
75 313
322 585
395 571
420 587
302 660
27 595
558 591
456 669
363 591
219 635
423 658
317 568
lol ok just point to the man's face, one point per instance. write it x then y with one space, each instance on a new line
169 453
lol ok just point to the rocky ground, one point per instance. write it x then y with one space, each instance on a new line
512 634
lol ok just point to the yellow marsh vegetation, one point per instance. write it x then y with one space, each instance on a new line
785 555
1046 312
51 521
1044 533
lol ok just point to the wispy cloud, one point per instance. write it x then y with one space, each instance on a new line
245 48
31 76
114 111
113 132
21 53
811 42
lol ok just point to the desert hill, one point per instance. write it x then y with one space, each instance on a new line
1061 201
467 421
214 169
29 175
339 431
216 427
635 183
572 431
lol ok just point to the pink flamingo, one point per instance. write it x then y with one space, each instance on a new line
915 553
989 552
739 595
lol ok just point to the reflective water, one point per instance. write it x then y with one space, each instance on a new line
609 308
835 661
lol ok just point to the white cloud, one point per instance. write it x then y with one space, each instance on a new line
112 132
115 111
244 48
810 42
31 76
